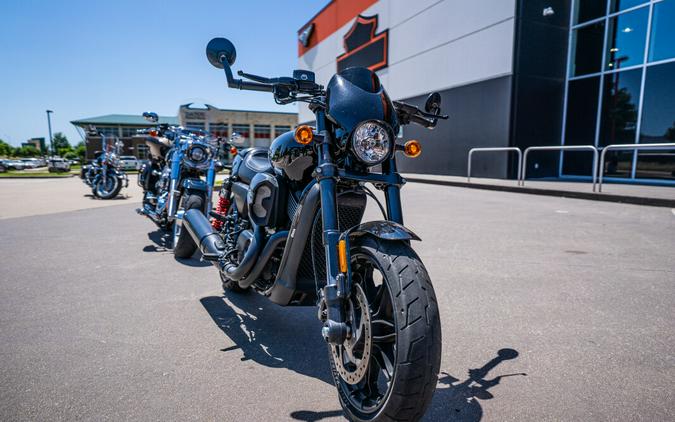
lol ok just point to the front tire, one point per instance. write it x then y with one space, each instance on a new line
404 348
108 189
183 244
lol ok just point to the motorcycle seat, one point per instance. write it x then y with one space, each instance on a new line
256 161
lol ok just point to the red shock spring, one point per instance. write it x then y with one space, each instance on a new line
221 208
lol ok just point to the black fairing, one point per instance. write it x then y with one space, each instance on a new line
355 95
294 160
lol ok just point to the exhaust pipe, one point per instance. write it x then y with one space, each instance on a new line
212 248
210 243
272 243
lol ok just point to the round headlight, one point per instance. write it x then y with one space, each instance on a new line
198 153
371 142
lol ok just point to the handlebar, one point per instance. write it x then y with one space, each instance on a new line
409 113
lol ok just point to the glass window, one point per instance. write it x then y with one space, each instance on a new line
280 130
663 31
620 102
142 152
586 10
128 132
626 39
619 5
658 108
262 131
242 130
582 110
587 49
218 129
195 125
109 131
262 135
620 98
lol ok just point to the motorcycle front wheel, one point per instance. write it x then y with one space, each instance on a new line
387 370
183 245
107 189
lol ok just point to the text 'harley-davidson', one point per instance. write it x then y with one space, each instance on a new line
289 224
172 178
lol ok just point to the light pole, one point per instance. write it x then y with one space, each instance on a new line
49 123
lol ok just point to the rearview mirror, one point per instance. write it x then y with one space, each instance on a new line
433 103
150 116
219 51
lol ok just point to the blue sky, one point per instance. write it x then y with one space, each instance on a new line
90 58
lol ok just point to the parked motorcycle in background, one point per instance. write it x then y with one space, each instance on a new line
172 178
293 231
104 175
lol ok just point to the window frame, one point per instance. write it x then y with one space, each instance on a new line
603 73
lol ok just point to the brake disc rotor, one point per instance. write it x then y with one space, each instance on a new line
351 357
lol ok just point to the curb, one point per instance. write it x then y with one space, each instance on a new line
624 199
37 177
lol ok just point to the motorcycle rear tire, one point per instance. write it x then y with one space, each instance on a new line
184 246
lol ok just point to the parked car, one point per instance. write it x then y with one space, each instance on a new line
13 164
129 162
3 168
57 164
30 163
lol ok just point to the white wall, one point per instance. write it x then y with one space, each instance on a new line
433 45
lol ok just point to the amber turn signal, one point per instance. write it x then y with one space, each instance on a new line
342 255
412 149
233 151
304 134
153 133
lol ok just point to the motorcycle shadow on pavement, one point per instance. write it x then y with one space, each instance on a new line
272 335
161 240
453 400
460 401
119 197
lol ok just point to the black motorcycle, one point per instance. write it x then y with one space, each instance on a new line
294 232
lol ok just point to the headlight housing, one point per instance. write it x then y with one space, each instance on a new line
197 155
372 142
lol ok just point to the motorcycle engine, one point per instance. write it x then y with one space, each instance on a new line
164 180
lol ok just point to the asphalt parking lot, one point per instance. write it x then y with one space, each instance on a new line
562 309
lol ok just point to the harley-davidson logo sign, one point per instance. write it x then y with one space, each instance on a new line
363 47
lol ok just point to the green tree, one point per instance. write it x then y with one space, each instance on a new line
70 155
27 151
81 151
6 149
61 144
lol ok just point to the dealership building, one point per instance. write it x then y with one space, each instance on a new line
257 128
515 73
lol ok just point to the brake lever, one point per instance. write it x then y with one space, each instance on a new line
255 78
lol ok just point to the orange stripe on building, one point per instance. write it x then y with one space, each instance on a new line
331 18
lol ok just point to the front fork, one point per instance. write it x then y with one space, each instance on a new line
173 186
337 289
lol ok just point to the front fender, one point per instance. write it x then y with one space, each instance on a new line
387 230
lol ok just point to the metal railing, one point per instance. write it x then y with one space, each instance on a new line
562 148
617 147
472 150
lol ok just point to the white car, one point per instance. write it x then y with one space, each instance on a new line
128 162
57 165
31 163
